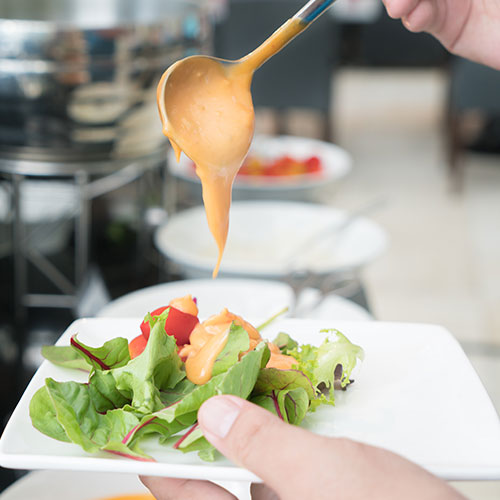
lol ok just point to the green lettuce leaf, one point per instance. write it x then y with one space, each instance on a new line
332 354
237 342
158 367
238 380
320 363
103 392
175 394
126 400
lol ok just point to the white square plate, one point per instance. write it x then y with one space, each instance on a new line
415 393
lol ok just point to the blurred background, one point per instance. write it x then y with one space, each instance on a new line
384 124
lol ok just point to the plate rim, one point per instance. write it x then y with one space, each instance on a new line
233 472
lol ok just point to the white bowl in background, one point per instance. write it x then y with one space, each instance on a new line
337 163
267 237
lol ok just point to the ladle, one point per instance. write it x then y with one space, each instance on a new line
206 110
181 74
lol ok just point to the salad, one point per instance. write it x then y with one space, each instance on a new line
154 385
282 166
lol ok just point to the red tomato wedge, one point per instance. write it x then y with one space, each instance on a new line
145 328
178 324
137 346
281 166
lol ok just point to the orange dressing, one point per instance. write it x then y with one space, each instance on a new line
278 360
185 304
207 111
209 338
211 119
209 344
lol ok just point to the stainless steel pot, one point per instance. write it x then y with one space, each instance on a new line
78 77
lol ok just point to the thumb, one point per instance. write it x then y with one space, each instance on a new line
255 439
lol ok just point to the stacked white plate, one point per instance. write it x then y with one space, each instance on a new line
266 239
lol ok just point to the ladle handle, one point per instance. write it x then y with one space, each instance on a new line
288 31
312 10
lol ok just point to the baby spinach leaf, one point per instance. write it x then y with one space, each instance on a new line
194 440
43 416
273 379
151 424
285 343
290 405
122 450
294 403
66 356
69 404
111 354
74 411
208 454
287 393
267 401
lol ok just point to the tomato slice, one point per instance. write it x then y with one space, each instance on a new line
178 324
145 328
313 164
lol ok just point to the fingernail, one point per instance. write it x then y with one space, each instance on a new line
406 23
217 415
